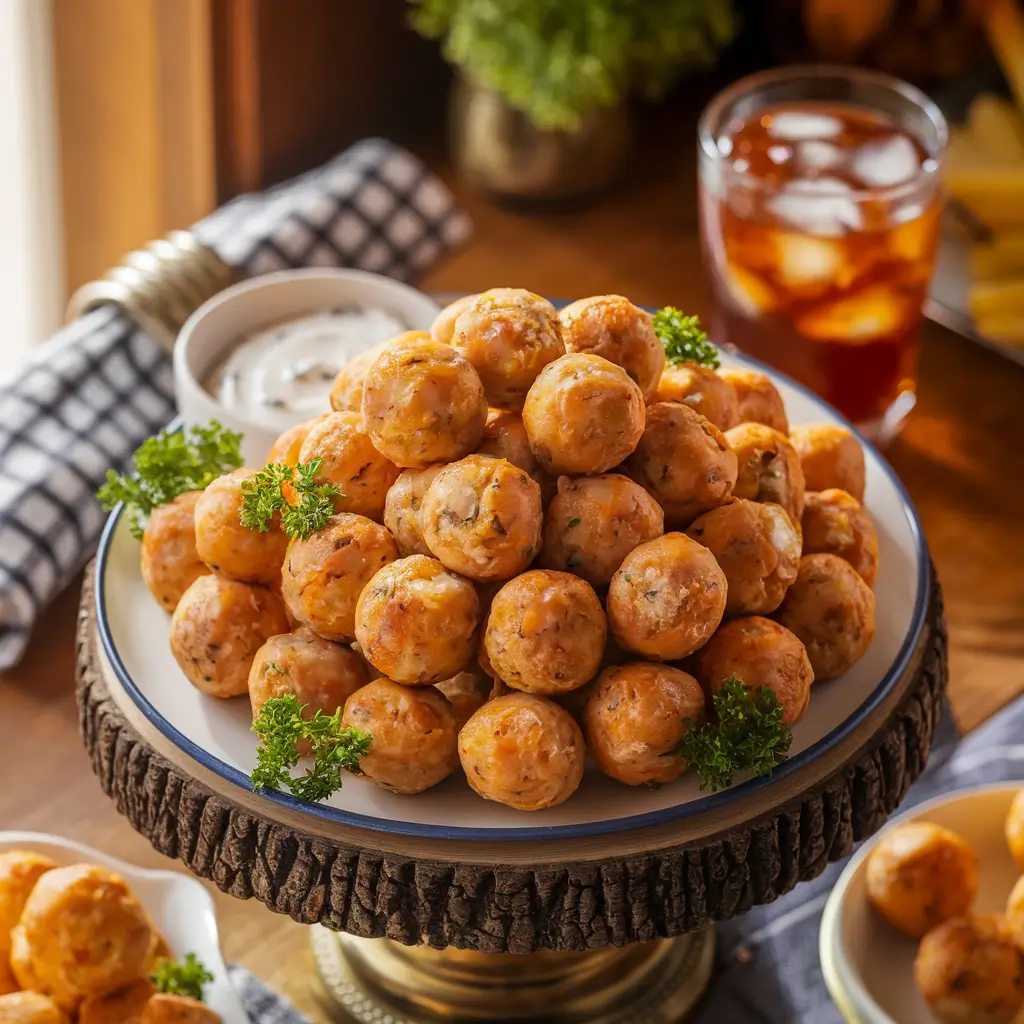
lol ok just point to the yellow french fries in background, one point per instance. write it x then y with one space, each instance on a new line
1000 258
997 130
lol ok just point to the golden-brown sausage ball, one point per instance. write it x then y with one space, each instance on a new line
545 632
402 509
509 335
228 547
757 399
667 598
919 874
683 460
124 1006
702 390
505 438
635 718
523 751
31 1008
1015 829
319 673
970 971
83 933
482 517
347 390
19 872
759 653
218 627
769 468
611 326
423 403
164 1008
286 448
349 460
416 621
169 561
830 456
324 574
466 692
7 982
583 415
836 523
415 735
593 522
443 326
1015 911
832 610
757 548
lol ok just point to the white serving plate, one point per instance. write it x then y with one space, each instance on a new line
134 633
180 907
869 965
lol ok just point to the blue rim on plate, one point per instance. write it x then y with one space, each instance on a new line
664 816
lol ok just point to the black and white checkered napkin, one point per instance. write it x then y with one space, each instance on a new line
88 398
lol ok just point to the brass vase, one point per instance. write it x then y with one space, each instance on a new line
501 152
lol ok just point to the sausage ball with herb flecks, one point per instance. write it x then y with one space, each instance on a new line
286 448
830 456
832 610
350 462
324 574
769 468
583 415
443 326
505 438
228 547
482 517
667 598
170 563
636 717
347 390
545 632
416 621
757 548
612 327
466 692
402 508
415 735
702 390
759 653
523 751
757 399
509 335
835 523
423 403
218 627
683 461
319 673
593 522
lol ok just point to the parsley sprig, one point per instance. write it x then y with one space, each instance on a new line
304 505
333 746
745 733
683 339
170 464
181 979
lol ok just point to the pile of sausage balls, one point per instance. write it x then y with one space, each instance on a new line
923 879
549 543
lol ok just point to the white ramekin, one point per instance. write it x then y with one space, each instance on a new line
221 322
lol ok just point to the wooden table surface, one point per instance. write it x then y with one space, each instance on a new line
961 457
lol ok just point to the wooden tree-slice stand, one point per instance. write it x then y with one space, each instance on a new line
578 907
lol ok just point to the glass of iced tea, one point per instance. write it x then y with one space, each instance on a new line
820 200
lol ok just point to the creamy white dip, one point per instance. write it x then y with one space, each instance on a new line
283 374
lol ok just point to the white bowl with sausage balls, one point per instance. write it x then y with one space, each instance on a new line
546 557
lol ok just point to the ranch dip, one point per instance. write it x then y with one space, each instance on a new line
282 374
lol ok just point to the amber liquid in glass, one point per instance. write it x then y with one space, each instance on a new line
820 247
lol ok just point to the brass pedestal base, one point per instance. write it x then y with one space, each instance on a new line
375 981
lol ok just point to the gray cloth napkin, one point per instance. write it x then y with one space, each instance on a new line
84 401
261 1004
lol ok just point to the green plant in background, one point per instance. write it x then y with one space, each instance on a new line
555 60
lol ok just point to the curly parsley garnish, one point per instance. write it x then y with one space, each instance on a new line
746 734
683 340
181 979
304 505
170 464
333 746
